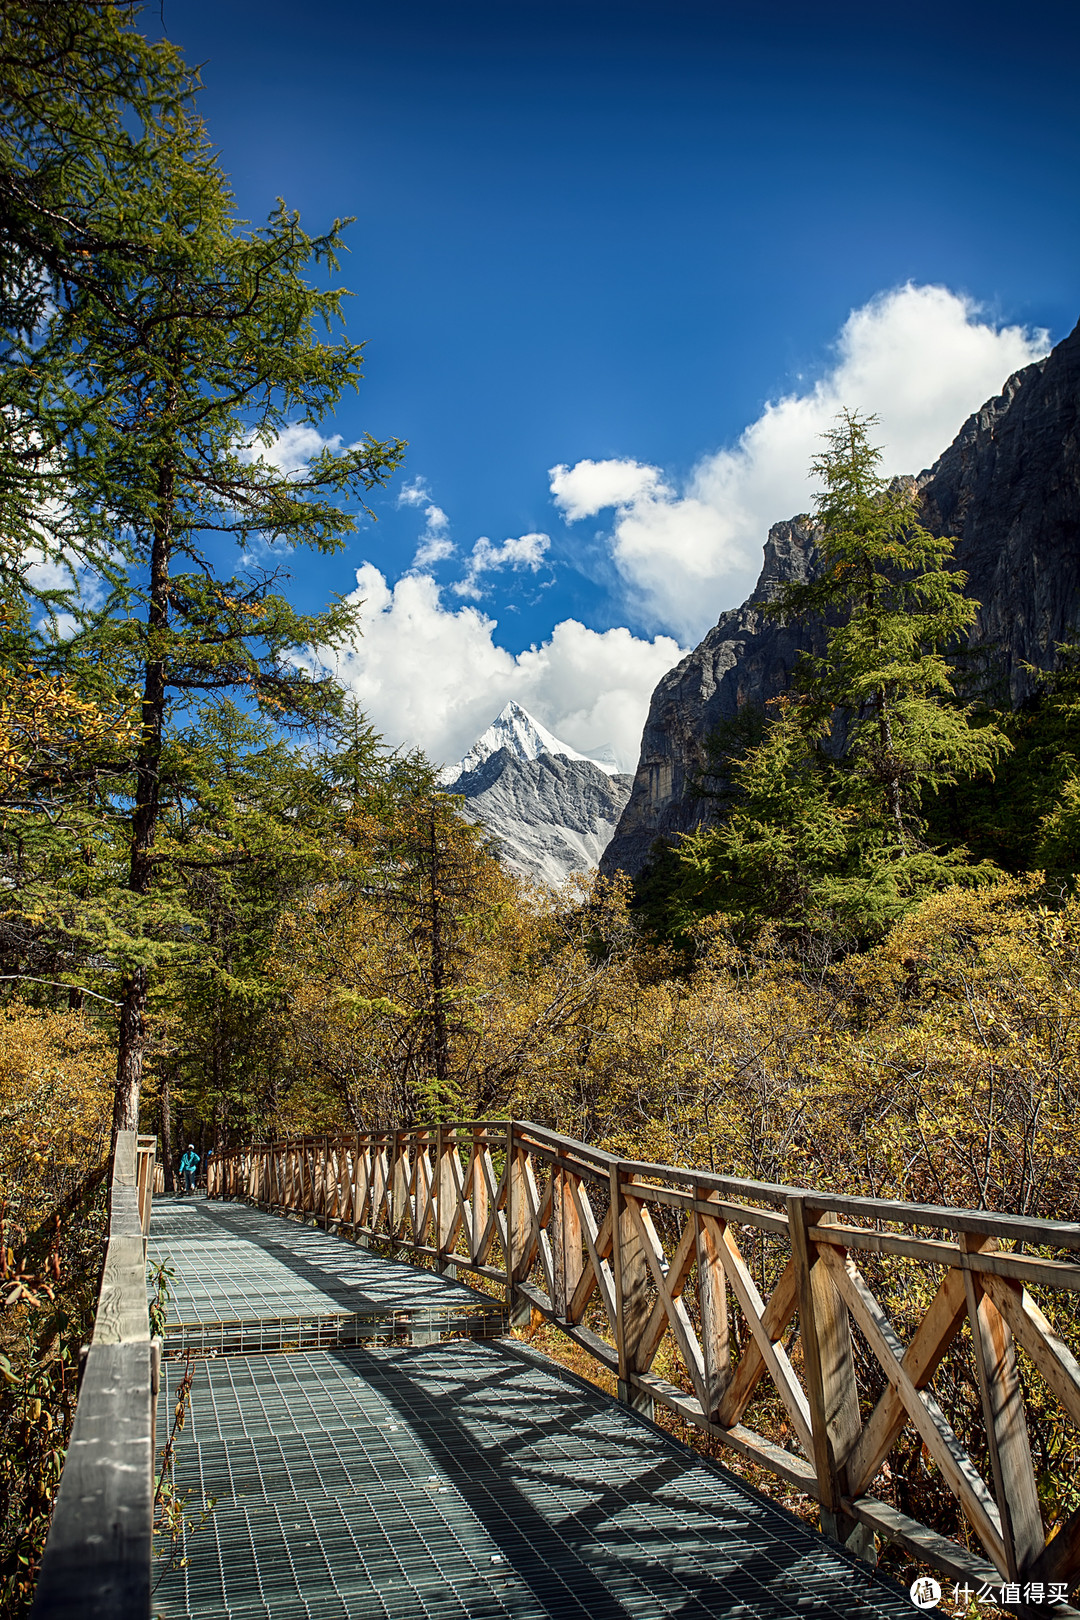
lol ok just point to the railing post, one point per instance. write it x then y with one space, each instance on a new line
1006 1427
631 1270
568 1261
712 1303
446 1191
518 1310
832 1393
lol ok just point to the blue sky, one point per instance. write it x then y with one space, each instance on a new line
656 246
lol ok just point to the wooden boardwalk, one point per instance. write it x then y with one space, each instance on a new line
367 1464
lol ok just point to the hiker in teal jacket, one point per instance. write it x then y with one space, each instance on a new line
189 1168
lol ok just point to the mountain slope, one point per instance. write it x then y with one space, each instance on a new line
524 738
551 810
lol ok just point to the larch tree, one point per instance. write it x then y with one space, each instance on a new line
827 827
212 341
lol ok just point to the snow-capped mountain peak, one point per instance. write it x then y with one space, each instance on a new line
525 738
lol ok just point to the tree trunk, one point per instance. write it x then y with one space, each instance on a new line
892 785
166 1134
440 1031
135 988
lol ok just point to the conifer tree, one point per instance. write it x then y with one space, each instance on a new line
828 825
211 343
82 94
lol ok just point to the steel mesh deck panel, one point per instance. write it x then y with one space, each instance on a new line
473 1480
234 1263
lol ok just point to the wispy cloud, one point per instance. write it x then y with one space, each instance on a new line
526 552
434 543
292 449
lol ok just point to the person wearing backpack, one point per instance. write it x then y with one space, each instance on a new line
189 1169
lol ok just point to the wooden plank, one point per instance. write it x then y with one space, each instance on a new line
631 1269
450 1203
96 1564
956 1466
1011 1228
568 1256
675 1276
539 1207
1051 1355
495 1225
751 1366
921 1360
423 1193
399 1207
927 1546
1028 1268
1015 1228
744 1442
598 1274
522 1236
379 1182
478 1203
362 1189
712 1308
831 1392
773 1354
671 1306
122 1315
1006 1426
764 1220
581 1335
765 1192
590 1158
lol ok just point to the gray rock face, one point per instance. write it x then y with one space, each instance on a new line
550 816
1007 490
746 658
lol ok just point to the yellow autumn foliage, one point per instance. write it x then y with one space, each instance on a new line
46 723
56 1086
942 1067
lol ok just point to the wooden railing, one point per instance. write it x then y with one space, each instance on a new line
97 1557
842 1309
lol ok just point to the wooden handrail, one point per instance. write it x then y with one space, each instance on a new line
571 1231
97 1556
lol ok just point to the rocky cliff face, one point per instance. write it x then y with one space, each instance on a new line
1008 491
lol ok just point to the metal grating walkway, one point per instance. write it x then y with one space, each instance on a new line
233 1263
461 1479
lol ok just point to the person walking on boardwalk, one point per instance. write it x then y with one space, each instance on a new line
189 1168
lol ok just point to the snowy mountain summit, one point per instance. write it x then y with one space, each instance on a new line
551 810
524 738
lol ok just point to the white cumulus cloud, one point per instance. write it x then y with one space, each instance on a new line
919 358
432 676
589 486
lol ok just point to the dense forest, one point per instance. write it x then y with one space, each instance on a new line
230 910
